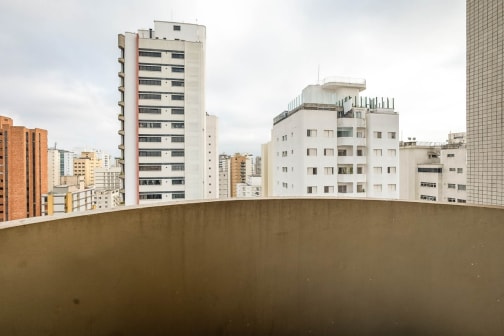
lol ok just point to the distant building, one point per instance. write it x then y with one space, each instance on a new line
433 171
107 198
66 162
240 168
212 162
66 199
23 170
107 188
333 142
53 168
251 188
485 93
224 177
85 166
164 131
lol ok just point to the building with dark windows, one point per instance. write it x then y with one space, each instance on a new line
163 131
23 170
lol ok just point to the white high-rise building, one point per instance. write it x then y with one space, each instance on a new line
212 161
332 142
163 120
66 162
53 168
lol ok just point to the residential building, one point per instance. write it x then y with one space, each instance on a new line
485 92
251 188
240 168
107 178
224 178
163 119
85 166
66 162
66 199
53 168
333 142
23 170
107 198
212 161
433 172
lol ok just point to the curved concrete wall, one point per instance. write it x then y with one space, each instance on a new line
257 267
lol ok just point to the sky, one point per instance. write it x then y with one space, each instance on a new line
58 62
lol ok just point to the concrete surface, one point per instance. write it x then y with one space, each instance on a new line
257 267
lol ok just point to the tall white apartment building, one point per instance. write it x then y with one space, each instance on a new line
212 161
224 176
163 121
66 162
333 142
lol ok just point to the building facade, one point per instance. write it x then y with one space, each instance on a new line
485 91
163 119
23 170
434 172
251 188
53 168
224 178
85 166
333 142
67 199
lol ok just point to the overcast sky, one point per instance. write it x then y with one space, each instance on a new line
58 61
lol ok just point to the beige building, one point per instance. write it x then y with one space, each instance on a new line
485 124
53 168
85 166
240 167
66 199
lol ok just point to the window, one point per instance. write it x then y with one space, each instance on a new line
177 55
176 27
311 151
328 152
360 152
377 135
177 139
391 170
329 133
149 139
177 83
151 96
284 137
311 190
149 82
311 133
451 200
391 187
284 169
450 155
149 67
177 181
177 125
177 153
391 152
178 167
150 153
284 153
285 185
149 53
178 195
428 198
312 170
461 200
177 111
452 169
342 152
391 135
451 186
377 152
361 134
345 170
328 189
150 168
359 170
430 170
345 132
342 188
176 69
150 196
145 124
460 170
461 187
377 187
150 182
149 110
377 170
428 184
177 97
329 170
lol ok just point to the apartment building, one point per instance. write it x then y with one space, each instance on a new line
434 172
240 168
23 170
485 126
164 135
53 168
224 178
333 142
67 199
85 165
251 188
